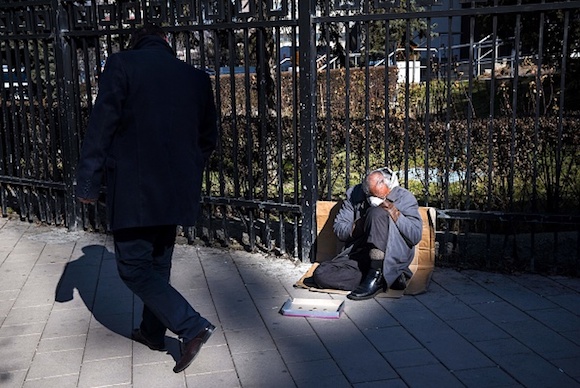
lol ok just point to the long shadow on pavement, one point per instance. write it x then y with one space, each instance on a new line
94 275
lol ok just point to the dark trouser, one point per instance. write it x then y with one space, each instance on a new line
347 269
144 264
340 273
377 222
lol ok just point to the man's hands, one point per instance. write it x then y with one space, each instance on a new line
391 208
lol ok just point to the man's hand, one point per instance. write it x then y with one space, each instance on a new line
392 209
87 201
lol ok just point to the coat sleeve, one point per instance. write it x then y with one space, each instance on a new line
345 219
103 123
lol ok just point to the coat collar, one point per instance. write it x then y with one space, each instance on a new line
153 42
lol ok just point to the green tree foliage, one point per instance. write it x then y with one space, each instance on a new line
397 31
530 24
549 25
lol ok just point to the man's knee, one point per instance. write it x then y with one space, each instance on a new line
341 276
133 274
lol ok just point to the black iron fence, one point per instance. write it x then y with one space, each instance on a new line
475 104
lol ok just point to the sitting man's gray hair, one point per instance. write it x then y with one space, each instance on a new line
389 176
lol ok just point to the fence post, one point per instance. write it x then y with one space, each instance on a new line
307 87
66 112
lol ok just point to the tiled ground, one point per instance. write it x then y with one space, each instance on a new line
65 318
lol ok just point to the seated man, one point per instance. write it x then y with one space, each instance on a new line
380 224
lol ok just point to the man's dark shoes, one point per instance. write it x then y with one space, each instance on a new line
138 336
191 348
371 285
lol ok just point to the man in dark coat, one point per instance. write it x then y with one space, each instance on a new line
150 133
380 224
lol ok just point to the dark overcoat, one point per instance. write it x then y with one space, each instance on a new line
150 133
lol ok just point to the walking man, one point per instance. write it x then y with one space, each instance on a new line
150 133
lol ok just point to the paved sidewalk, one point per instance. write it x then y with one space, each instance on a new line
65 318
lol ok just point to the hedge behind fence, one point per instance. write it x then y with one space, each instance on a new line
526 165
520 164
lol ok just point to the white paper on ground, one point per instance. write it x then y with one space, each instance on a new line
313 308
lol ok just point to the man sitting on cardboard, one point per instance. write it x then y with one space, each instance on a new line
380 224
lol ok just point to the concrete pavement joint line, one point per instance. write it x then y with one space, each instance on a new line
245 285
20 291
200 260
59 351
459 312
21 325
491 289
211 373
377 350
479 283
50 377
31 307
150 363
493 361
272 334
262 318
90 308
105 358
482 284
570 290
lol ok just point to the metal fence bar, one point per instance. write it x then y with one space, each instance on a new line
328 119
427 113
67 114
220 147
561 107
307 87
295 218
387 138
367 162
249 141
279 181
407 96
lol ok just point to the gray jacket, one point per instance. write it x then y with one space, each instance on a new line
403 235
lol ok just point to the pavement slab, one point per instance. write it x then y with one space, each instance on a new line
66 319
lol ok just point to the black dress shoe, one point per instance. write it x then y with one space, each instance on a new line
371 285
191 348
136 335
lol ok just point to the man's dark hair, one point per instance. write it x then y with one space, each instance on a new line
146 30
